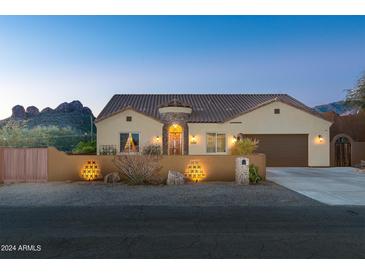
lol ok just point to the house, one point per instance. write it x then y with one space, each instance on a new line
347 137
290 133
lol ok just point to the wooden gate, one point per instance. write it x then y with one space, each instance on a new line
343 152
25 165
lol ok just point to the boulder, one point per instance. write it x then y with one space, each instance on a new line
112 178
18 112
86 111
70 107
32 111
175 178
76 106
47 109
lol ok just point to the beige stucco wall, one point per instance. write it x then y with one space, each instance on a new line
63 167
108 130
263 121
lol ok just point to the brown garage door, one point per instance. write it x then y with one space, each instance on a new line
286 150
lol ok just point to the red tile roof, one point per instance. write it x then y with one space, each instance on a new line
206 108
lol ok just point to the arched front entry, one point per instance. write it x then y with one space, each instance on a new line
175 139
342 151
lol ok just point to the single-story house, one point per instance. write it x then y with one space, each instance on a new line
290 133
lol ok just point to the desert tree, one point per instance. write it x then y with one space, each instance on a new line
356 96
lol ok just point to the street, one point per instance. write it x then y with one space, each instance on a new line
184 232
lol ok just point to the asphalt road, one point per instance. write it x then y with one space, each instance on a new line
183 232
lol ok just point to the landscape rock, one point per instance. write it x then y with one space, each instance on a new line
175 178
32 111
112 178
18 112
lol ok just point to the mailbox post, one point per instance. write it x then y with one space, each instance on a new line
242 171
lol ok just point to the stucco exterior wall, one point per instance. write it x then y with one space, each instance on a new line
263 121
108 130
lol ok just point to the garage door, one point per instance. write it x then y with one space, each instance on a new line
286 150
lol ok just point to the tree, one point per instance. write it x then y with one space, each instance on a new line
356 96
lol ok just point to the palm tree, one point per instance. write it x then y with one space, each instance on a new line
356 96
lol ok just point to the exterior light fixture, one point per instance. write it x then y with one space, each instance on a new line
320 138
194 171
193 140
157 139
234 139
90 171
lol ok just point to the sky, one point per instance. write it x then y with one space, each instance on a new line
47 60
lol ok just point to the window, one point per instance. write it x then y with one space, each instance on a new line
216 142
129 118
277 110
129 142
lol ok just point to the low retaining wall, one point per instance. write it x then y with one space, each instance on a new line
63 167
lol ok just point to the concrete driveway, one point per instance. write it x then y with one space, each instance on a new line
332 186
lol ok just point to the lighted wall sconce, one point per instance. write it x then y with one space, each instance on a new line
193 140
157 139
320 138
234 139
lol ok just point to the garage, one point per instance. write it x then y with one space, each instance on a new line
283 150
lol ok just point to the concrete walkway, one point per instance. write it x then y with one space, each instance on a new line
332 186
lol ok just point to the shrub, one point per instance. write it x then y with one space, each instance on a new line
152 149
85 147
254 176
245 146
139 169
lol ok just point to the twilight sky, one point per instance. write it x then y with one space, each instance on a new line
45 61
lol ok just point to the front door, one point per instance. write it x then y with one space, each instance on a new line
175 140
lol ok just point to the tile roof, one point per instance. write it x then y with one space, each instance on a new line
207 108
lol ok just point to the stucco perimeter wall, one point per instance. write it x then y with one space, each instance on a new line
263 121
108 130
63 167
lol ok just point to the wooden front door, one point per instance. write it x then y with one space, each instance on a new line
175 143
343 152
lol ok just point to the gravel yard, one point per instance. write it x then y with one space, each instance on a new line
100 194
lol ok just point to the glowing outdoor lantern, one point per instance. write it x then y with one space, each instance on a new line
193 140
90 171
320 138
194 171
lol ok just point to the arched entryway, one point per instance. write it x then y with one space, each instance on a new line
342 151
175 139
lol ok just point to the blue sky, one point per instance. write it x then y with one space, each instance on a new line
48 60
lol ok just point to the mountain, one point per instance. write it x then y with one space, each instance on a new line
67 115
63 127
339 107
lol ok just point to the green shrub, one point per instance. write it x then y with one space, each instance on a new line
254 176
245 146
85 147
